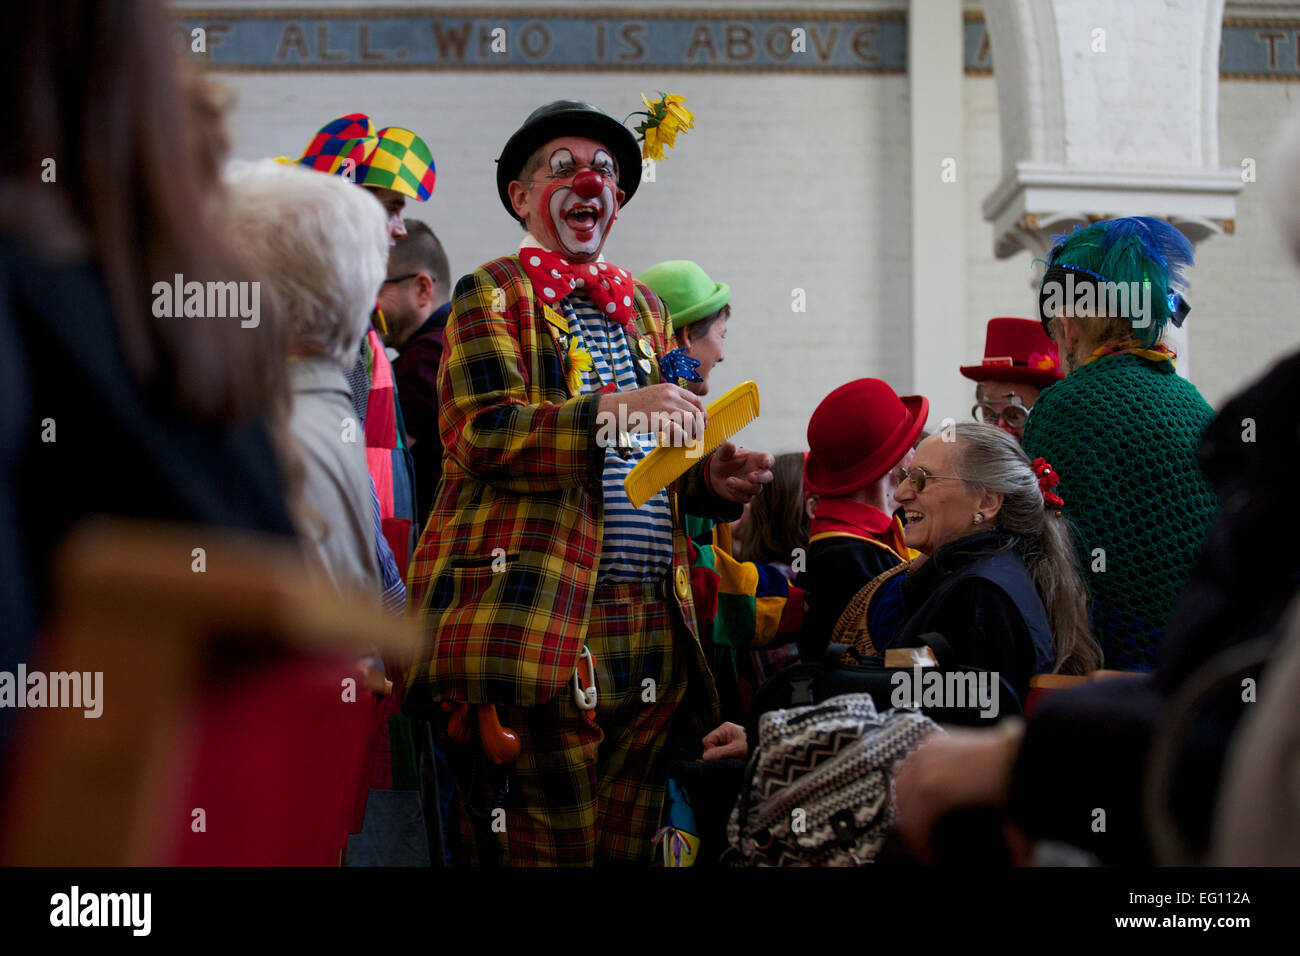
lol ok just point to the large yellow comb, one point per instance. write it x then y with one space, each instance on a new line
726 416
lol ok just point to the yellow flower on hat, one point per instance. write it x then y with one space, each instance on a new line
676 111
667 131
664 119
651 147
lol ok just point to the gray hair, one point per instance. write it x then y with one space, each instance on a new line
317 243
990 460
1096 331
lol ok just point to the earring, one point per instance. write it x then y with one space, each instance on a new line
979 517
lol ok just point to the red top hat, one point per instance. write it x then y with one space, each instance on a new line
857 433
1017 350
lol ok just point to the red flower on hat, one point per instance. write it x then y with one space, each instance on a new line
1041 362
1047 480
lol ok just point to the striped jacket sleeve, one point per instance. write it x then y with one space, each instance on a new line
489 426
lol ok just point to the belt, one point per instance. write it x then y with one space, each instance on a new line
675 585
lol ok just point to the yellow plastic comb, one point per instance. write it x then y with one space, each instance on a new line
726 416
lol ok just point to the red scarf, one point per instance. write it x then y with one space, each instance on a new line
844 517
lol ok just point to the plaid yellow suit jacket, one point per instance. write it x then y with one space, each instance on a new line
506 565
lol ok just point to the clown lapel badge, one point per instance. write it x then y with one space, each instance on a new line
574 357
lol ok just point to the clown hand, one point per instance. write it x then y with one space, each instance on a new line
664 409
738 474
961 768
726 741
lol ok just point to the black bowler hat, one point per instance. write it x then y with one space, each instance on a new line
569 118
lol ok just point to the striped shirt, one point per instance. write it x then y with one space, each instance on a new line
638 542
394 596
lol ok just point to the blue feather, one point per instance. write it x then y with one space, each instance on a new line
1133 250
1153 239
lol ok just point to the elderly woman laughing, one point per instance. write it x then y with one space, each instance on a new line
998 577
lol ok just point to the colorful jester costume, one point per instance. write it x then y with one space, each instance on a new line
739 606
397 159
1122 432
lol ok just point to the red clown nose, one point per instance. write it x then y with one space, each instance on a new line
588 184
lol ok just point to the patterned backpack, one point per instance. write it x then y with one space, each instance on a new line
818 789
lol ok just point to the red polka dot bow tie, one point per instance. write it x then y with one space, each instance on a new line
554 277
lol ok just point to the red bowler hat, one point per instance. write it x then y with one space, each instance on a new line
1017 350
857 433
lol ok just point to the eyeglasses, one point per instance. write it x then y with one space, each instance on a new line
1013 413
604 170
409 275
918 476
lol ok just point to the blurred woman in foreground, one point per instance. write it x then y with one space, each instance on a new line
112 403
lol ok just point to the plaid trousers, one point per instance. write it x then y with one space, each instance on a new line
587 791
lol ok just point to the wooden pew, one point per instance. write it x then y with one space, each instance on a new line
229 734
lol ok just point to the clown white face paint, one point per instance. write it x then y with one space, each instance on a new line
579 223
573 207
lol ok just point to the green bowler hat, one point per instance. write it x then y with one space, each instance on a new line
687 290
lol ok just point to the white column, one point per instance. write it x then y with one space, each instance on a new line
934 73
1108 108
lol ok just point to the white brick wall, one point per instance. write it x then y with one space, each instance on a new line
786 182
994 287
789 182
1244 286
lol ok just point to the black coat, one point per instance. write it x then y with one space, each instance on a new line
415 372
838 568
1086 748
979 595
115 451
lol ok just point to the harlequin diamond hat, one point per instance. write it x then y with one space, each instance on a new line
1016 350
391 158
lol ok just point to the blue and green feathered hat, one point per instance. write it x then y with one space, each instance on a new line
1131 251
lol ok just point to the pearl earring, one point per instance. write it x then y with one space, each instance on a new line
979 517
